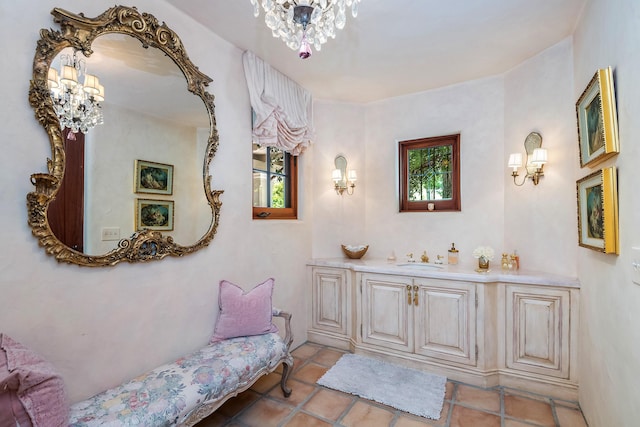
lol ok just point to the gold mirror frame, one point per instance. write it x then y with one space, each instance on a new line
78 32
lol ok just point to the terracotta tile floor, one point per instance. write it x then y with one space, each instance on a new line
311 405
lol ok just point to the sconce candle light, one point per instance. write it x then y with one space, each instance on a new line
536 159
343 180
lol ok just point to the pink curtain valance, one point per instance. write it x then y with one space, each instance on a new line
283 109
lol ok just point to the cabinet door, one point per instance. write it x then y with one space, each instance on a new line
330 300
386 312
537 330
446 321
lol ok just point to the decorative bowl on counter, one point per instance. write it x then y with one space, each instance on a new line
354 251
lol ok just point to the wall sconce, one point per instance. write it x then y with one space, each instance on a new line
343 180
536 159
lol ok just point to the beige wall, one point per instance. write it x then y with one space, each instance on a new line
473 109
493 116
102 326
607 35
338 219
540 221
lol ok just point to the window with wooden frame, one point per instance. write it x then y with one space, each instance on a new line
275 184
430 174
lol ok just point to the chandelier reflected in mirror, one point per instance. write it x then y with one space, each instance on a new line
305 23
76 104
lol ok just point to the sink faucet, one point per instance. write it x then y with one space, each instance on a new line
424 257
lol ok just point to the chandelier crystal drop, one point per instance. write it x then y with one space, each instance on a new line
76 104
305 23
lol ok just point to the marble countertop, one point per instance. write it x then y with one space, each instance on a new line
461 272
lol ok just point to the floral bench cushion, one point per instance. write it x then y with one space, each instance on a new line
169 393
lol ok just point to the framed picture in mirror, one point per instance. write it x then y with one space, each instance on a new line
154 214
597 119
153 178
598 211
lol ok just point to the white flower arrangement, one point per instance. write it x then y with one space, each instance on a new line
484 251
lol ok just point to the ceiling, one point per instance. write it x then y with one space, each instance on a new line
144 80
399 47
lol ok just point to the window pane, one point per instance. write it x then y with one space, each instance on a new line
429 173
260 189
259 157
277 192
270 175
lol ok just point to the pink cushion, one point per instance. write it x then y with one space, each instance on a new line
12 412
244 314
38 387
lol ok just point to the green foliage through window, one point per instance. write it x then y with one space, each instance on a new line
430 173
277 192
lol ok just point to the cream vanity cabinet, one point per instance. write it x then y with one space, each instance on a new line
330 311
484 329
428 317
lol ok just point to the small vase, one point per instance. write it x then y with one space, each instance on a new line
483 263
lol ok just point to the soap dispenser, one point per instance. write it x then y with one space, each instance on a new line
453 255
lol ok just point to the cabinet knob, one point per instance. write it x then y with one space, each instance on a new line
409 294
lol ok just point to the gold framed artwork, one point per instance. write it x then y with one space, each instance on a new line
597 119
153 178
598 211
154 214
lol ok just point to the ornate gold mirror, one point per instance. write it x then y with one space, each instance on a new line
145 161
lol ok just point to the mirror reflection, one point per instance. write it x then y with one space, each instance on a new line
134 183
148 115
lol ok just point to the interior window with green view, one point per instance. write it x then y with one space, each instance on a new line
430 174
274 183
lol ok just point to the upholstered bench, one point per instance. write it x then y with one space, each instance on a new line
244 346
191 388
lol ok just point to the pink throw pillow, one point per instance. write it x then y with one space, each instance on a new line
39 389
244 314
12 413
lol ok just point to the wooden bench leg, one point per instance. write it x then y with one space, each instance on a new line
287 367
287 364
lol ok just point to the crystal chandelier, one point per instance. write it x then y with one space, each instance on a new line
305 23
76 104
